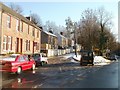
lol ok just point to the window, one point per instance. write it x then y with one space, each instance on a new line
21 59
4 42
9 42
33 31
9 21
37 34
37 47
17 25
28 29
21 27
26 57
27 45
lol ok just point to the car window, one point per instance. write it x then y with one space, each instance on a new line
21 59
26 58
36 56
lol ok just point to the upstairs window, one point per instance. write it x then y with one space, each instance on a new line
33 31
17 25
28 29
9 21
21 27
37 34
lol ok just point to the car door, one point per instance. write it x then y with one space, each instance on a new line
22 62
29 62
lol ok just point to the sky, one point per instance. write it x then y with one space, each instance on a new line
59 11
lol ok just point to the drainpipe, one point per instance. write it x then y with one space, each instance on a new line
0 28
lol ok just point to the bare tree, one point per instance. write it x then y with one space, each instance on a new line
16 8
94 31
36 19
51 26
88 29
104 20
69 27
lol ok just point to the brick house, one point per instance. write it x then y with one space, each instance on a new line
49 43
17 33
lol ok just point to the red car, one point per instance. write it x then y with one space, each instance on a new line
17 63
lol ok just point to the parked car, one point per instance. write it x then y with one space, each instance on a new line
17 63
39 59
86 58
113 57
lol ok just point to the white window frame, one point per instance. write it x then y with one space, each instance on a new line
21 26
9 43
17 25
4 42
9 21
27 45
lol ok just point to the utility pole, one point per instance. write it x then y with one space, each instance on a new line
75 41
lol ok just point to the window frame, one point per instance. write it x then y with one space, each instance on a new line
4 42
9 42
37 34
21 26
9 21
17 25
33 31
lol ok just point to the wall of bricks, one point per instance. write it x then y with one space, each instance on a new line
18 34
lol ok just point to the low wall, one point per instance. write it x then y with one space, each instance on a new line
57 52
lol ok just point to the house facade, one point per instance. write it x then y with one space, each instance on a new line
49 43
17 33
62 42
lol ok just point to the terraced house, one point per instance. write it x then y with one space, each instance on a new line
49 43
17 33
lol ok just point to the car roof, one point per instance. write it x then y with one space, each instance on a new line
14 54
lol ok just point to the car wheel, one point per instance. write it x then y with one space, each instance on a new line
45 62
33 67
19 70
42 63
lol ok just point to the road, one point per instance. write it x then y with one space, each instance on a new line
65 73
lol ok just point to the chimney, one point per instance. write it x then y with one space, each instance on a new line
61 33
29 18
51 31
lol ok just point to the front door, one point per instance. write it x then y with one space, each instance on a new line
17 45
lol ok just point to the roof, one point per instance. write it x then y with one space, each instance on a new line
50 33
63 36
4 8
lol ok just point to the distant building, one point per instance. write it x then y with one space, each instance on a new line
17 33
62 41
49 42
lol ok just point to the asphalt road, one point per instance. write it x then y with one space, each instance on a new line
66 74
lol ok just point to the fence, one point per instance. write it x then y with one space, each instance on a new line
56 52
